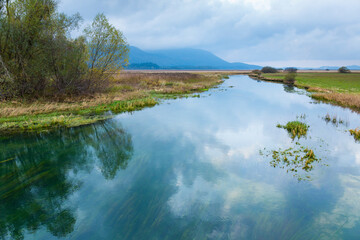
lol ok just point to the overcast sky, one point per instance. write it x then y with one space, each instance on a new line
277 32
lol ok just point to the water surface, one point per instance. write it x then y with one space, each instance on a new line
186 169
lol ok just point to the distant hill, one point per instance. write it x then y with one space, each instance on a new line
186 58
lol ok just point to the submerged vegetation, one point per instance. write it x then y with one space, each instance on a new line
39 174
299 160
336 121
295 129
355 133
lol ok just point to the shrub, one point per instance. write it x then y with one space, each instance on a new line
344 70
268 69
256 72
290 77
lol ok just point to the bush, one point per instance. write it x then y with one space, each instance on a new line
344 70
256 72
290 77
268 69
291 70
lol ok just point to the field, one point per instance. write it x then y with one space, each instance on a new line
333 81
337 88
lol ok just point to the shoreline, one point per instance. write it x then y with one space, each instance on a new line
131 92
134 90
350 100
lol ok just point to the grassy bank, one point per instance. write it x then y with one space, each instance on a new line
130 91
336 88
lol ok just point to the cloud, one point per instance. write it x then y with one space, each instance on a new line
238 30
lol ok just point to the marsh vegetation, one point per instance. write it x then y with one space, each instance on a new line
337 88
296 129
298 160
355 133
129 91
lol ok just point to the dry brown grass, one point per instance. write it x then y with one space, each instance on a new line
343 99
126 85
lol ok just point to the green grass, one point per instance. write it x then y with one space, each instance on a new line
45 122
355 133
295 129
338 82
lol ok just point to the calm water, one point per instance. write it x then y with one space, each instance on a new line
186 169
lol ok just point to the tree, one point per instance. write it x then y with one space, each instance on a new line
268 69
290 78
35 49
39 58
108 50
344 70
291 70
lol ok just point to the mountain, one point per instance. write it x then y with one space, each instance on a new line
186 58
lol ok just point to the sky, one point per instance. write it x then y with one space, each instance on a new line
302 33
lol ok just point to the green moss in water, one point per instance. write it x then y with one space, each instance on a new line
299 160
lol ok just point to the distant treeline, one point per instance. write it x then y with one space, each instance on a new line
38 58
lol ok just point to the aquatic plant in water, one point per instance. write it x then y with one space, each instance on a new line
334 120
295 129
299 160
355 133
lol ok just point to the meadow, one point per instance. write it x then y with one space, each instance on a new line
337 88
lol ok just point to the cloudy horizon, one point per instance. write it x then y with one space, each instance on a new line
300 33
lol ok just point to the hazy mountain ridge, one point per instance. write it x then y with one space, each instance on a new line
186 58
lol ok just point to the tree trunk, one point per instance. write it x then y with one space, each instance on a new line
7 73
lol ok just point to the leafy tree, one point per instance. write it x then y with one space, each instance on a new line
38 57
344 70
35 47
268 69
290 77
291 70
108 50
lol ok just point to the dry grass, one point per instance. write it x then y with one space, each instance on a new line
343 99
126 86
130 91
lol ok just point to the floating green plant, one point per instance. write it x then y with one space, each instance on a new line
355 133
295 129
299 160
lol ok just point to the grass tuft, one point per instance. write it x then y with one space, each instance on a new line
295 129
355 133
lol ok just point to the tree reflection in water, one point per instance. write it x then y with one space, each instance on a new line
38 174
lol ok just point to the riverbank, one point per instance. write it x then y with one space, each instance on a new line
135 90
331 87
130 91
